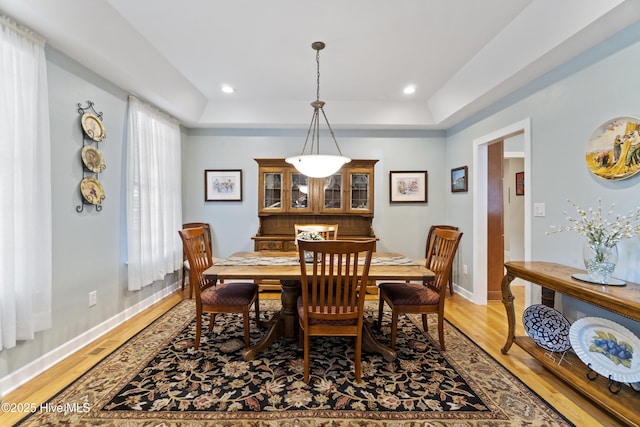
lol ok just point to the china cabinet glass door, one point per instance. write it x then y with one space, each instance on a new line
360 192
332 193
300 192
272 191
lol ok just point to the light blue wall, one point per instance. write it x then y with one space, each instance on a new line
564 107
564 112
89 248
400 227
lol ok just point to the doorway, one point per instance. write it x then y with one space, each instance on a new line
481 208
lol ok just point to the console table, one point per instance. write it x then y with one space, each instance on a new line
624 300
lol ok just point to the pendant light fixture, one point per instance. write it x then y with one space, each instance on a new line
316 165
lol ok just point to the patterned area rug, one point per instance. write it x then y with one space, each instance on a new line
158 379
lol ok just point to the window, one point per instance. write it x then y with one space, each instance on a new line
25 185
154 201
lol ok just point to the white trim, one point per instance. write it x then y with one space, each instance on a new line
38 366
480 191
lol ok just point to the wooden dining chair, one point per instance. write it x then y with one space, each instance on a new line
212 298
423 298
327 231
429 251
333 292
185 261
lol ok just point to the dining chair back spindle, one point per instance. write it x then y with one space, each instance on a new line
333 292
326 231
423 298
215 298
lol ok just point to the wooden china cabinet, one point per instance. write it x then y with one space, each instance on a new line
287 197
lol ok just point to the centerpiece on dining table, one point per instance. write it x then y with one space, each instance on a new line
308 235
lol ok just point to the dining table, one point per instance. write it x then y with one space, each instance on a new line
285 267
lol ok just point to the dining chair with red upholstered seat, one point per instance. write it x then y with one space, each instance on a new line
333 292
423 298
215 298
430 250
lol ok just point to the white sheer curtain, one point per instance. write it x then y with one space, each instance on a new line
25 186
154 200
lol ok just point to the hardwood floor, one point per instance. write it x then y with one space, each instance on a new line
486 325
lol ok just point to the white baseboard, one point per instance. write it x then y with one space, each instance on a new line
464 293
46 361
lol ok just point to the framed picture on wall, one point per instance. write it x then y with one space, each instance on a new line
459 179
408 187
223 185
519 183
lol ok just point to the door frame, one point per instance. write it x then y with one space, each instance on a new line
480 191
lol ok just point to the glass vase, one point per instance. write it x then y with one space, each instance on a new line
600 260
308 256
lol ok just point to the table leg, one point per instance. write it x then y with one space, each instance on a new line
370 343
284 324
507 300
290 291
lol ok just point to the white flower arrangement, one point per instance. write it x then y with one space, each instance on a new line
309 235
606 230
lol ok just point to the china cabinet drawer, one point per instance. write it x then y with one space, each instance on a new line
269 245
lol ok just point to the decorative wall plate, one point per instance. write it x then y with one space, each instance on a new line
547 327
607 347
92 191
613 150
92 126
92 159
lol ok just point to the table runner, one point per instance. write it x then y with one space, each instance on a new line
287 260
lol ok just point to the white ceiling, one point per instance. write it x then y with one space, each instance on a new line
461 55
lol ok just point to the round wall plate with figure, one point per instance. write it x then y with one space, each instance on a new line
613 150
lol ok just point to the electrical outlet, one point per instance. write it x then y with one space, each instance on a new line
93 298
465 270
539 209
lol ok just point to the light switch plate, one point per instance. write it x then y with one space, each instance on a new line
538 209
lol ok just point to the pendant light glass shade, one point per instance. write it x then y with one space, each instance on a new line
316 165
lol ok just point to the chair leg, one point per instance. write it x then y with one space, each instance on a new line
196 344
212 319
306 357
441 331
257 307
394 327
425 324
358 358
184 272
245 316
380 311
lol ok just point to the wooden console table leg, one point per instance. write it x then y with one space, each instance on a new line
548 297
507 300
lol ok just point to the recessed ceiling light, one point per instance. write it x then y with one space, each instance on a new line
227 89
408 90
